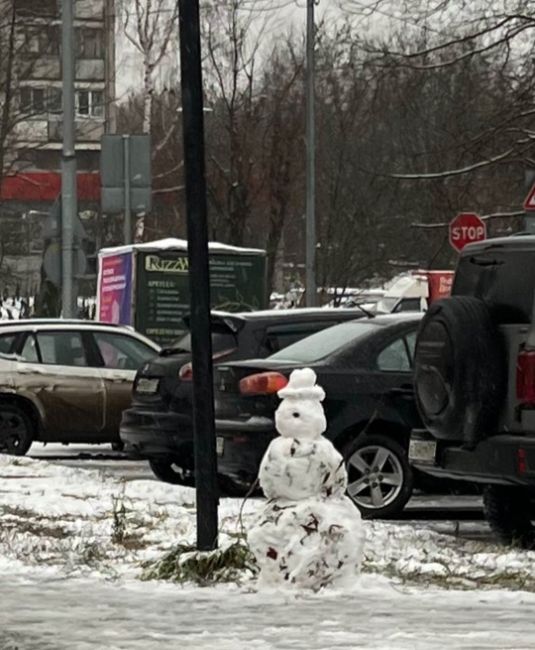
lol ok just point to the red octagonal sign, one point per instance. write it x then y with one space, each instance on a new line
465 228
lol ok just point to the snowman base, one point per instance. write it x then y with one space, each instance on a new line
311 543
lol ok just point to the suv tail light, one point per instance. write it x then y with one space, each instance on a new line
186 372
263 383
525 377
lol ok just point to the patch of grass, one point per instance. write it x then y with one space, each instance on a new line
118 532
37 529
509 581
133 542
91 553
185 564
17 511
25 521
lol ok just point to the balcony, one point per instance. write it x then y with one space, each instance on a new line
37 131
37 9
44 66
89 10
90 70
87 130
32 130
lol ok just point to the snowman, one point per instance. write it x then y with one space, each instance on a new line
308 533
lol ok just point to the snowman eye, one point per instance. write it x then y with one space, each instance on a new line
295 414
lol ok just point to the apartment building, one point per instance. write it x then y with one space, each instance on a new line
38 134
32 151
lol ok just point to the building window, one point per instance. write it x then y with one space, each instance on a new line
32 100
82 103
89 43
89 103
40 100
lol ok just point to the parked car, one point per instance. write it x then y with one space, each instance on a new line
158 426
365 368
66 381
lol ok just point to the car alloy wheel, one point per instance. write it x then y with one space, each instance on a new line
379 476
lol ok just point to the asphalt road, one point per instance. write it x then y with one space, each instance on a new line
459 515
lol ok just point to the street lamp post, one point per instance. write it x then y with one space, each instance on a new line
69 203
310 162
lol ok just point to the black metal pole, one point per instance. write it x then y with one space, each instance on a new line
201 346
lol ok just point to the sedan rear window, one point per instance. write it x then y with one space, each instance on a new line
322 344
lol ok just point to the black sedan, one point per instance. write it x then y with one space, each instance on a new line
365 368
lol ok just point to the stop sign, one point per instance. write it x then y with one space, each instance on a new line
466 228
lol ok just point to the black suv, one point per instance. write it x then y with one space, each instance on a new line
475 383
158 425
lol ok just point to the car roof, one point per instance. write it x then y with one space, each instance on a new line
57 321
36 323
515 242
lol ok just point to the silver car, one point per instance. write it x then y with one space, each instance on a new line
66 381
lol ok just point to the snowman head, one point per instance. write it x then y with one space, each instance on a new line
300 414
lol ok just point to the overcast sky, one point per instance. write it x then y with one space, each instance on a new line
283 13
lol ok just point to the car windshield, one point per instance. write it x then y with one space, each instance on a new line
322 344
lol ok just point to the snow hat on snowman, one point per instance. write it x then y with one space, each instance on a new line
300 414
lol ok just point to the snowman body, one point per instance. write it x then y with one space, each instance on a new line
308 534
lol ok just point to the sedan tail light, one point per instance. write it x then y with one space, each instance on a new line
186 372
263 383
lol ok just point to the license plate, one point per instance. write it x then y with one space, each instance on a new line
219 445
147 386
422 451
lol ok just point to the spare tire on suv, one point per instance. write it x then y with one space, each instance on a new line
459 368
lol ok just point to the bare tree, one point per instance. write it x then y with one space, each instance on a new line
150 26
232 48
282 148
453 33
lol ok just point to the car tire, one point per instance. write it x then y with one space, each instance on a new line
170 472
367 484
459 370
510 513
16 430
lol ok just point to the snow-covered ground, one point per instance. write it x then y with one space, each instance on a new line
73 543
82 614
